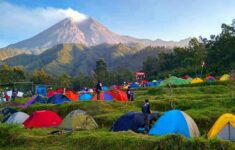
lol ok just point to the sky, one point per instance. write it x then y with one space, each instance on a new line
150 19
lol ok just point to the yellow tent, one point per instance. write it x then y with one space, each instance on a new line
196 80
224 77
224 127
78 120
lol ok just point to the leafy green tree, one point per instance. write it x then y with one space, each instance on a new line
101 72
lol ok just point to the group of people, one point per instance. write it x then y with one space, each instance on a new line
130 94
5 96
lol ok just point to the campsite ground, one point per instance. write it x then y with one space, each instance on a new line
203 102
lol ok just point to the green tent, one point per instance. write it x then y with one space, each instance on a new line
78 120
175 81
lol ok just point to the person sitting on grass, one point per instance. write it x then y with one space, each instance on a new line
146 112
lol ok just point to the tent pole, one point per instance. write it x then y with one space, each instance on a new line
229 131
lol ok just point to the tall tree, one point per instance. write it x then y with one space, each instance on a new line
101 72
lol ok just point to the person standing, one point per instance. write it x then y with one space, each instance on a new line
130 94
146 112
98 89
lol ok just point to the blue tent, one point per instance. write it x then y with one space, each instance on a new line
39 100
42 90
105 88
134 86
130 121
151 84
107 96
7 112
85 97
58 99
175 122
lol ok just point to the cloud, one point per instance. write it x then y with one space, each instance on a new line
18 22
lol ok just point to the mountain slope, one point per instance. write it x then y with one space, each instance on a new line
75 58
6 53
88 32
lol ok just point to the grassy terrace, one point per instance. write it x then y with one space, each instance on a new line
203 102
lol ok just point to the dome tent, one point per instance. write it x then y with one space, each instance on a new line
131 121
175 81
224 77
36 99
196 80
78 119
58 99
175 122
85 97
17 118
134 85
210 79
43 119
7 112
119 95
224 127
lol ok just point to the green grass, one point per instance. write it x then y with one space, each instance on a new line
203 102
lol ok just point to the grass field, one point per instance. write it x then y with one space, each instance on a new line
203 102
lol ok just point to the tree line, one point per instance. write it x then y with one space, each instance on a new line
213 56
9 75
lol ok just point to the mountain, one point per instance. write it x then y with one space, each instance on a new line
88 32
6 53
75 58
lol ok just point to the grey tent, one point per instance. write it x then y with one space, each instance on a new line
227 133
224 128
17 118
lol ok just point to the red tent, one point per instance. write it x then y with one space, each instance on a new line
185 77
70 94
43 119
119 95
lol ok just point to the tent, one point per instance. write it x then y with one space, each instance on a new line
134 85
58 99
174 81
224 127
175 122
104 96
85 97
196 80
224 77
210 79
131 121
119 95
43 119
7 112
70 94
185 77
17 118
105 88
78 119
36 99
154 83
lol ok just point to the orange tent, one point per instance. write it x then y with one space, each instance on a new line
119 95
72 95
